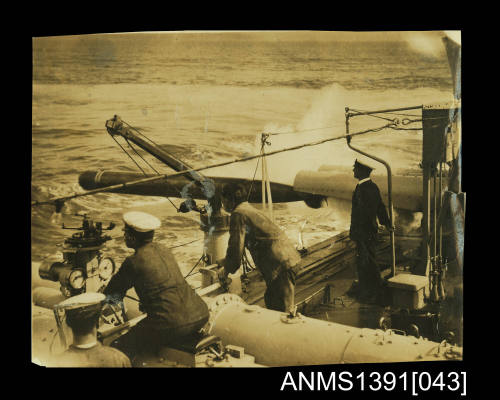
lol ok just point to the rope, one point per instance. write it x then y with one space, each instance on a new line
303 130
142 158
363 112
185 244
395 113
125 151
255 173
171 202
138 166
195 265
372 115
221 164
406 129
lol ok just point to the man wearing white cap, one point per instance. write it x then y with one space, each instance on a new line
82 316
174 309
367 206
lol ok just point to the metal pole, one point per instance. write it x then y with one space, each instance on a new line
263 168
440 209
434 216
268 189
263 184
426 223
433 288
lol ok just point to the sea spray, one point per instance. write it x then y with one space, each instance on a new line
222 94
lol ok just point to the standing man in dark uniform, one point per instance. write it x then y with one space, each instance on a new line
173 308
82 316
367 206
271 250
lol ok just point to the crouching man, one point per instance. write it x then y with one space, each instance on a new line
272 252
173 308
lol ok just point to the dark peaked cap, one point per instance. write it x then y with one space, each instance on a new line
363 166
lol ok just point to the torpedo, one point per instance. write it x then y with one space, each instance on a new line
179 186
309 186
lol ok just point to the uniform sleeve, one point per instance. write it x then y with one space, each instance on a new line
236 244
382 216
122 281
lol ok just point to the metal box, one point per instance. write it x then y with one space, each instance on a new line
408 291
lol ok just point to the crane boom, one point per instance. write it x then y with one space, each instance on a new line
115 126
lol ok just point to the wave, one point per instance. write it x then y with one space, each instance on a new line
69 102
351 78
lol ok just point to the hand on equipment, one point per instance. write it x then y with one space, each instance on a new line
224 279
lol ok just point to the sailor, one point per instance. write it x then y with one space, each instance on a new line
367 206
271 250
82 316
173 308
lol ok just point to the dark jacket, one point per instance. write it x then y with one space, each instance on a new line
163 292
367 206
270 248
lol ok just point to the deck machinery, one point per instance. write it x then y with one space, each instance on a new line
259 332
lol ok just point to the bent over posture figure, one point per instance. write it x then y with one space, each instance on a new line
367 206
271 250
173 308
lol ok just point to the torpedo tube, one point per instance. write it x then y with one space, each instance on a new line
276 339
406 190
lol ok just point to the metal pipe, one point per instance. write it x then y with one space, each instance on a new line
426 223
389 192
268 190
263 175
434 216
440 208
382 111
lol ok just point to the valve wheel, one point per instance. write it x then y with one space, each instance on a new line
106 268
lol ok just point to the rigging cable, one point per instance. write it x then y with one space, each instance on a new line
221 164
255 173
136 152
125 151
195 265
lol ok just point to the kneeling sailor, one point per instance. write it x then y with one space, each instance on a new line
173 308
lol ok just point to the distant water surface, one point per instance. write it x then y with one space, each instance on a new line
208 101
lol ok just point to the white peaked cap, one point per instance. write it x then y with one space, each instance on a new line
82 300
141 221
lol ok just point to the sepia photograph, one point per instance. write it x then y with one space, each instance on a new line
221 199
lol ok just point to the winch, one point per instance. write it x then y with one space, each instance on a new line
84 267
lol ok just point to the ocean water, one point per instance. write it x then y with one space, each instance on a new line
207 99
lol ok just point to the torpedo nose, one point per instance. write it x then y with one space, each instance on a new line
87 179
